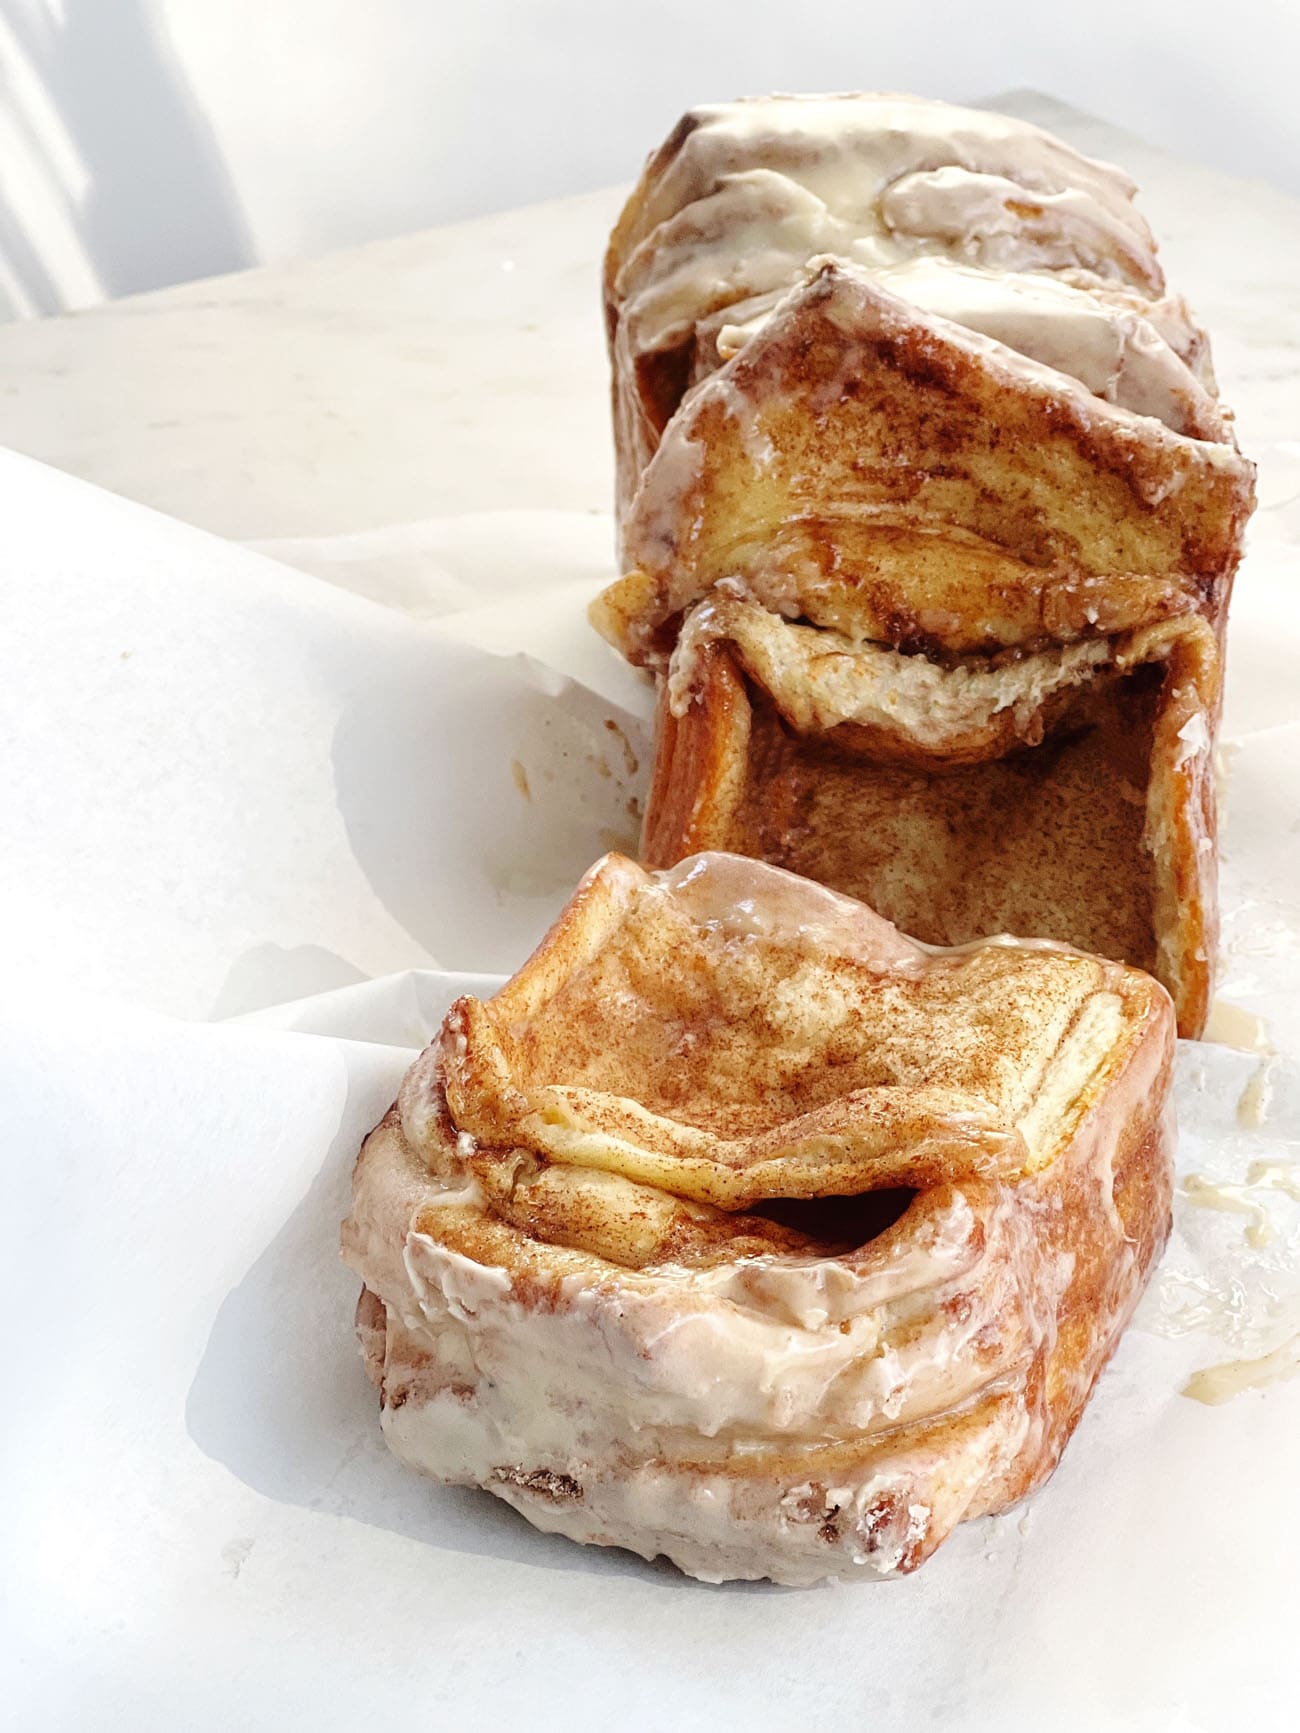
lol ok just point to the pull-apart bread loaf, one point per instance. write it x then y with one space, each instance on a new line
740 1228
929 516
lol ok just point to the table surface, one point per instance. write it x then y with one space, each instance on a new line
462 369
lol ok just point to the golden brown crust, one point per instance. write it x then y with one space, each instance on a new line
895 481
701 768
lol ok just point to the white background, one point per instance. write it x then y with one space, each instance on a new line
145 142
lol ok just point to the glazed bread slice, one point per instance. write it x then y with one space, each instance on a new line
740 1228
907 378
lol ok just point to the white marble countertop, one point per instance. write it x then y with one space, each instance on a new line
462 369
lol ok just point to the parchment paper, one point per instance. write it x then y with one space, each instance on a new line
252 818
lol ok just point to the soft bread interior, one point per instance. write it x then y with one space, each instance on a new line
1065 795
1044 841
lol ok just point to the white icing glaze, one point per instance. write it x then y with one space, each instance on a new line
1256 1099
626 1381
1232 1026
748 1351
975 217
1119 354
1244 1199
1283 1176
1193 737
749 900
992 221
